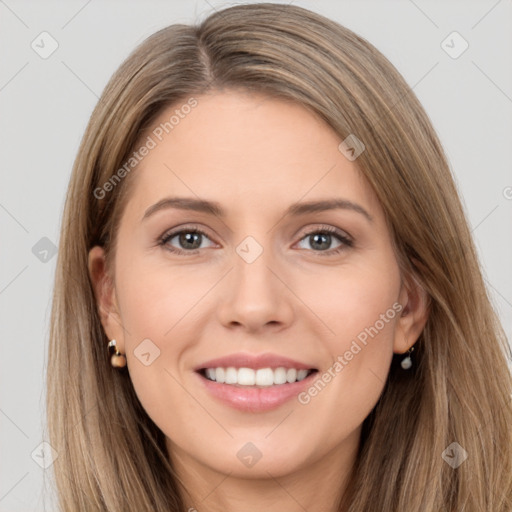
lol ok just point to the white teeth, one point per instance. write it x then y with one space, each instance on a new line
279 376
260 377
231 376
291 375
263 376
246 377
302 374
220 375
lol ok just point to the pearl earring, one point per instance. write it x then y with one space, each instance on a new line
117 360
406 362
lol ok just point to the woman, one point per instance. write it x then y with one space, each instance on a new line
258 368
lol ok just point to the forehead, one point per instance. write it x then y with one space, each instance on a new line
245 150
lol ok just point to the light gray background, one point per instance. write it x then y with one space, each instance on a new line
46 104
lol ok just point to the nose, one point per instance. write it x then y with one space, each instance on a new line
255 295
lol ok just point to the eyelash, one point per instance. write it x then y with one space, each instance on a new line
345 241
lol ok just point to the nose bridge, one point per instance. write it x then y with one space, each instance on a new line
254 296
252 274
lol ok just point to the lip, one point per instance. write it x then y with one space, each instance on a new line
255 399
254 361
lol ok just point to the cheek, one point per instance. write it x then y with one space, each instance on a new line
360 311
157 298
354 301
157 307
366 314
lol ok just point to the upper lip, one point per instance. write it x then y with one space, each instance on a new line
254 361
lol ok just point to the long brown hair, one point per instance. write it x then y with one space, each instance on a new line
111 455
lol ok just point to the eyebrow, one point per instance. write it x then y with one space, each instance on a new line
296 209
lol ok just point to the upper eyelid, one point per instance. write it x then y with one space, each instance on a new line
176 231
330 229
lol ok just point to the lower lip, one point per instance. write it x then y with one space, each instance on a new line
253 399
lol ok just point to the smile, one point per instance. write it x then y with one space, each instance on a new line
255 398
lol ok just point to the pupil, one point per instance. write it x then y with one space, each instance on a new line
189 238
320 235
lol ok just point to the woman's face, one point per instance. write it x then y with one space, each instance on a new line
259 279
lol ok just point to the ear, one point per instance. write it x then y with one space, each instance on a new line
414 314
106 301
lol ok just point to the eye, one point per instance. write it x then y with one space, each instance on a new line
321 240
188 238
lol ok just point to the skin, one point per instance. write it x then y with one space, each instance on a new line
255 156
